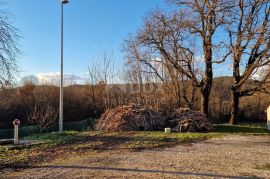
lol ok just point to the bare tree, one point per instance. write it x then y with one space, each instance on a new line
101 73
44 115
249 33
203 18
8 48
173 36
93 79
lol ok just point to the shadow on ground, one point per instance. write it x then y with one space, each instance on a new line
141 171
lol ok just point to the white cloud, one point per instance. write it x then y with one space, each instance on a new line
54 78
260 73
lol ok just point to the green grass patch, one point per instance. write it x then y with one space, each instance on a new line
242 129
55 138
21 155
148 140
172 137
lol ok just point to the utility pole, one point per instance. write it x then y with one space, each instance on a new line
63 2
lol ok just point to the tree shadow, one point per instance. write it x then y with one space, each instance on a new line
109 142
141 171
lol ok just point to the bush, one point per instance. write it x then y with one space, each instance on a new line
23 131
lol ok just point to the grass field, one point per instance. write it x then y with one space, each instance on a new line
73 141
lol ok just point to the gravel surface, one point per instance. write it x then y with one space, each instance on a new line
227 157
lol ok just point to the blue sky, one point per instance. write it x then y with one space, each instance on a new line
91 26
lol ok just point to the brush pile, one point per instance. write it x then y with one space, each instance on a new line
186 120
129 118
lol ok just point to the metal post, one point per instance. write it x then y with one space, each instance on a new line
61 78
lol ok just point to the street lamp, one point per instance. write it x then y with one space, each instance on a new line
61 80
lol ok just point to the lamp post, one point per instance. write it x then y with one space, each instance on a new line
63 2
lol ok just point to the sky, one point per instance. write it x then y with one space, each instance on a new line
90 27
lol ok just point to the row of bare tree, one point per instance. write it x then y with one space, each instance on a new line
185 45
170 62
38 104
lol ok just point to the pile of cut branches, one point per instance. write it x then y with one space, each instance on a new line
130 118
186 120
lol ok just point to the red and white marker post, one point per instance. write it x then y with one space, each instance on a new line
16 124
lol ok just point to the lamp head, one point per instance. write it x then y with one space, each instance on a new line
64 1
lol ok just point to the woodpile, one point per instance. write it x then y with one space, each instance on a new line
186 120
129 118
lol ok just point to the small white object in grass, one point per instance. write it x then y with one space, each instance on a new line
167 130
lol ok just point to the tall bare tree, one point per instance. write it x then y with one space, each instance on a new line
171 36
101 74
203 18
8 48
249 33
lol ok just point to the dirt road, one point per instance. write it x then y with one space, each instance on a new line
227 157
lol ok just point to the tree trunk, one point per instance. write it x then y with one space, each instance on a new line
93 94
178 93
234 107
208 79
234 90
205 102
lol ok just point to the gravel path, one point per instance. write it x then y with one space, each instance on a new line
227 157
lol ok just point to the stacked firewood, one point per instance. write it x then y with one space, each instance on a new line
130 118
186 120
